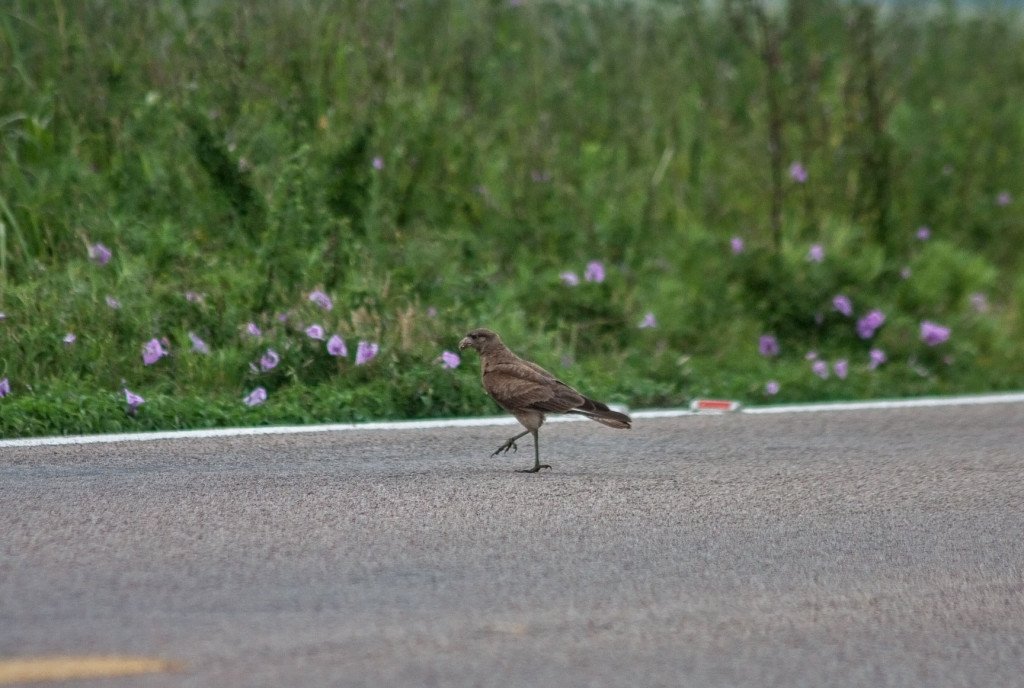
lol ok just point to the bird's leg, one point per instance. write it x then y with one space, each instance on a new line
537 465
510 443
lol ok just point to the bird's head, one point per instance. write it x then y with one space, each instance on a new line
480 339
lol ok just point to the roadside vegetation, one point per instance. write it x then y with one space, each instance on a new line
216 214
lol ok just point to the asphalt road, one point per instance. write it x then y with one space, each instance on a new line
857 548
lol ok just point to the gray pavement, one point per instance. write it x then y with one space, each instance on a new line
857 548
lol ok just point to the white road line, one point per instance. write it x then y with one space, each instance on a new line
923 402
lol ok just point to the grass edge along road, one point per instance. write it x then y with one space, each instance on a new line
918 402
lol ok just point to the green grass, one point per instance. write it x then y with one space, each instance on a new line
436 168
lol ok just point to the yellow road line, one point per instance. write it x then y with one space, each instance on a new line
64 667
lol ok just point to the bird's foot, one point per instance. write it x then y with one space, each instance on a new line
510 444
535 469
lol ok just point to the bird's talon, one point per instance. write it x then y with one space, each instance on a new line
505 447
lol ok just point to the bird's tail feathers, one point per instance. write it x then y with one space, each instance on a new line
595 410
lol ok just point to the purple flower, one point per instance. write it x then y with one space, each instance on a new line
820 368
133 400
979 302
798 173
867 325
378 163
450 359
771 388
878 357
366 352
924 233
1004 199
5 387
768 346
269 360
321 299
432 311
336 346
252 330
875 318
198 345
816 253
648 322
842 304
905 272
315 332
256 397
70 338
811 356
594 272
933 334
841 368
194 297
570 278
112 302
736 245
153 351
100 254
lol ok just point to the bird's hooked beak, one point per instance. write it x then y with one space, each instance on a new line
463 343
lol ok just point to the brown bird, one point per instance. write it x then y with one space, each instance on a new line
527 391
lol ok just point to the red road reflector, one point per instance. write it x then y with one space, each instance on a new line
714 405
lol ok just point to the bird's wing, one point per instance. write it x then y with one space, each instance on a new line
515 385
535 368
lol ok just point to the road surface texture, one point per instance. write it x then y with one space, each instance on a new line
856 548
